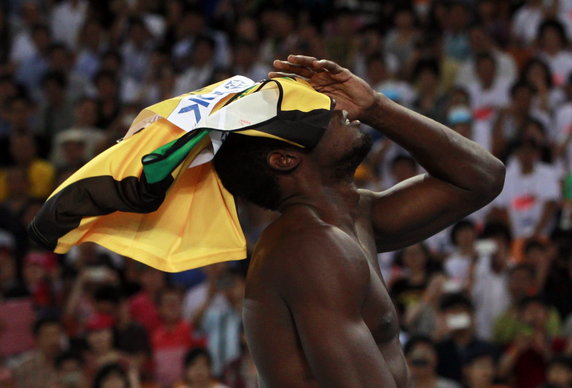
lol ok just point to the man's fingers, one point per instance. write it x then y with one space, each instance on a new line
274 74
330 66
302 60
293 68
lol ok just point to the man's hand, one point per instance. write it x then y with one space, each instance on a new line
350 92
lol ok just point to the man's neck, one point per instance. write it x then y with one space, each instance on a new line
335 204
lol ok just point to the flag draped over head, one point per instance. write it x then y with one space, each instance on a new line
155 197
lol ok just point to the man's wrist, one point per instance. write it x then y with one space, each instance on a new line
372 114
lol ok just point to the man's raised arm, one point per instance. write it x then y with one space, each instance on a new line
462 176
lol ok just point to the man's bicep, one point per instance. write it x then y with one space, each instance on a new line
416 209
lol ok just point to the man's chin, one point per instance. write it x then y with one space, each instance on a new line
348 164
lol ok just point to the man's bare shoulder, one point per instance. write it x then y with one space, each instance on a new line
297 233
300 249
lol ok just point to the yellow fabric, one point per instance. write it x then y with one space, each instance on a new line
304 102
256 133
164 239
197 223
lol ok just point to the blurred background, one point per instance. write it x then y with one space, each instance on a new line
485 303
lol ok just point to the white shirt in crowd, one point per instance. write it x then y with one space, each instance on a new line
23 47
506 69
525 23
66 21
490 296
196 297
524 196
458 267
484 102
560 65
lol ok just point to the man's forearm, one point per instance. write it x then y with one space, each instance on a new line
441 151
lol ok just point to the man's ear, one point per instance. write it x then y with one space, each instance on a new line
282 160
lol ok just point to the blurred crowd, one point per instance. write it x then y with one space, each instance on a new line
485 303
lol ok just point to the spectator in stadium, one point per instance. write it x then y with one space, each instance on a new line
20 117
553 41
80 305
30 71
510 121
458 325
430 100
526 21
136 50
558 285
42 283
23 19
507 326
402 38
91 43
382 79
66 20
456 39
172 338
488 92
130 338
209 288
77 144
547 96
36 368
481 42
458 264
197 371
558 373
55 110
61 59
535 129
222 325
403 167
40 173
416 288
108 89
416 268
11 286
101 348
479 370
201 68
113 375
8 90
528 354
539 255
246 62
142 307
422 360
70 372
528 201
241 372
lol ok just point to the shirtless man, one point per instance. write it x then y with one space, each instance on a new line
317 312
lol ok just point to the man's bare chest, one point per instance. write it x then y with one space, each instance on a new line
378 310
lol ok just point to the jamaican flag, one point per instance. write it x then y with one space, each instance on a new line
155 197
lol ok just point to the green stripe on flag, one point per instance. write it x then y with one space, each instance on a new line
164 160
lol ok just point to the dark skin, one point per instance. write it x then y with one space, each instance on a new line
317 312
